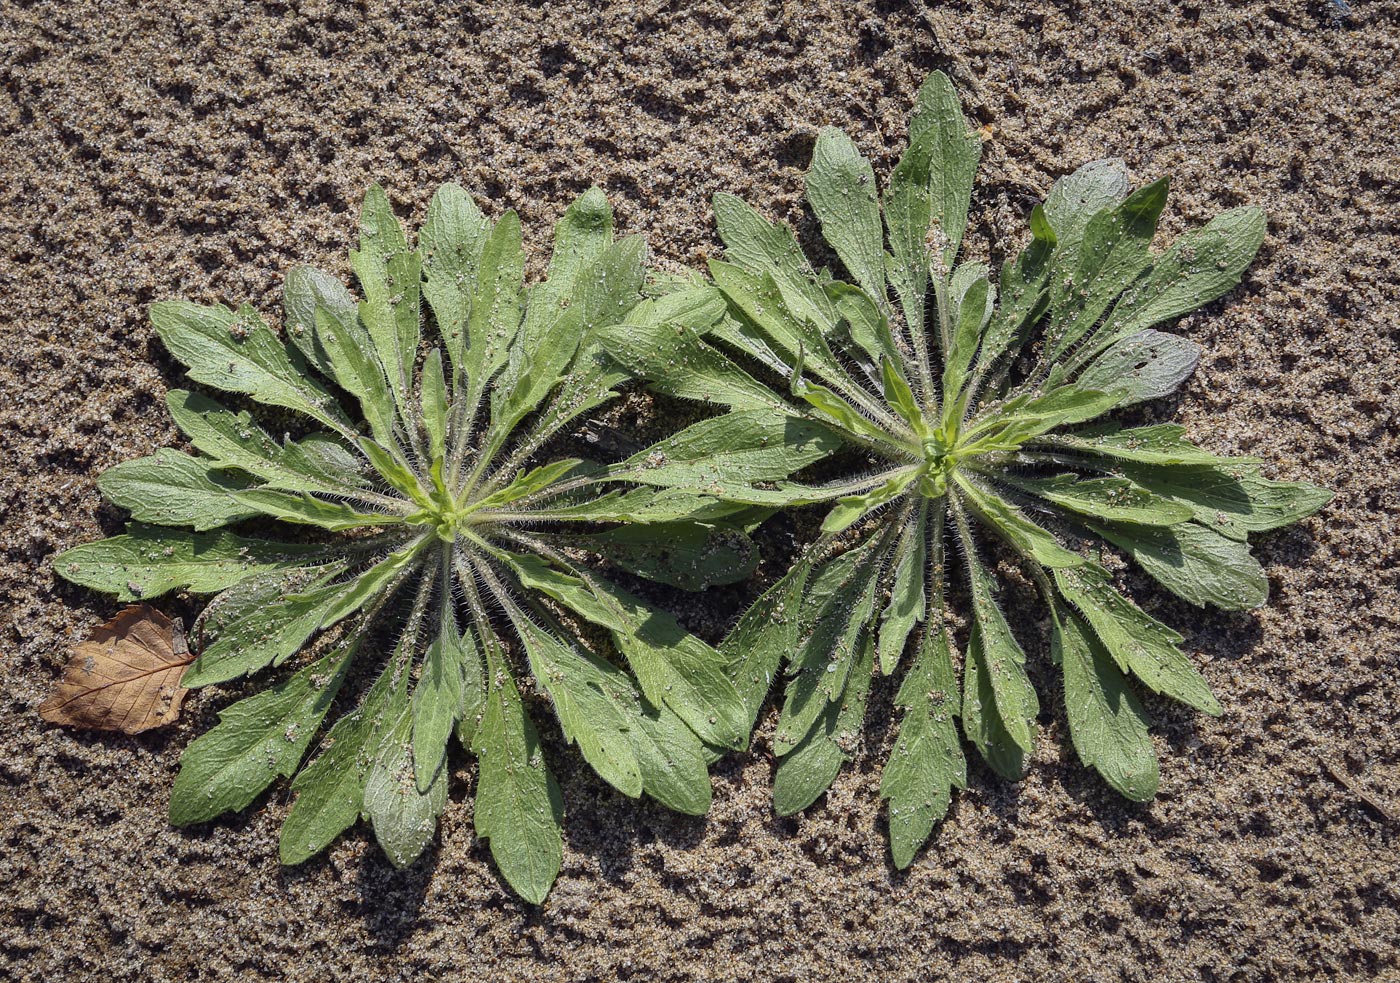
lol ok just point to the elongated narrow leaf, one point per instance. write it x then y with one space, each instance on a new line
1024 294
1162 443
927 762
1199 267
437 700
1194 563
174 489
518 807
1007 522
1108 498
765 635
237 352
453 239
944 152
982 719
497 306
836 611
275 631
907 594
848 510
330 790
1142 366
1106 721
148 561
305 292
391 280
1139 643
257 739
1232 498
841 188
1115 251
727 454
404 818
673 667
1000 662
808 770
308 511
676 361
1076 198
232 440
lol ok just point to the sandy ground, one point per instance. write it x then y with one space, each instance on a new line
148 154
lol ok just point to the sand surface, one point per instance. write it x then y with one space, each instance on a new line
158 150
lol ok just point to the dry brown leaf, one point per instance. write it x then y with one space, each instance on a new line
125 676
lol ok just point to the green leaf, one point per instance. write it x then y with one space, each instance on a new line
404 818
148 561
794 328
330 790
982 720
1114 252
972 316
1199 267
1159 444
257 740
437 700
239 353
676 361
901 397
273 633
518 805
864 322
452 242
725 455
841 189
943 152
1107 498
1194 563
836 612
1139 643
927 762
996 661
1231 498
497 306
764 636
907 600
1029 539
174 489
673 667
531 482
392 469
757 247
688 555
390 279
849 510
304 291
1106 721
307 511
433 399
359 371
1078 197
808 769
1023 292
631 745
1142 366
315 463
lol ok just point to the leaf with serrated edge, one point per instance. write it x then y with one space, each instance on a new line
808 769
149 561
1139 643
174 489
256 740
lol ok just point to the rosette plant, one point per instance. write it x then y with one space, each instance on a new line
435 571
973 407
